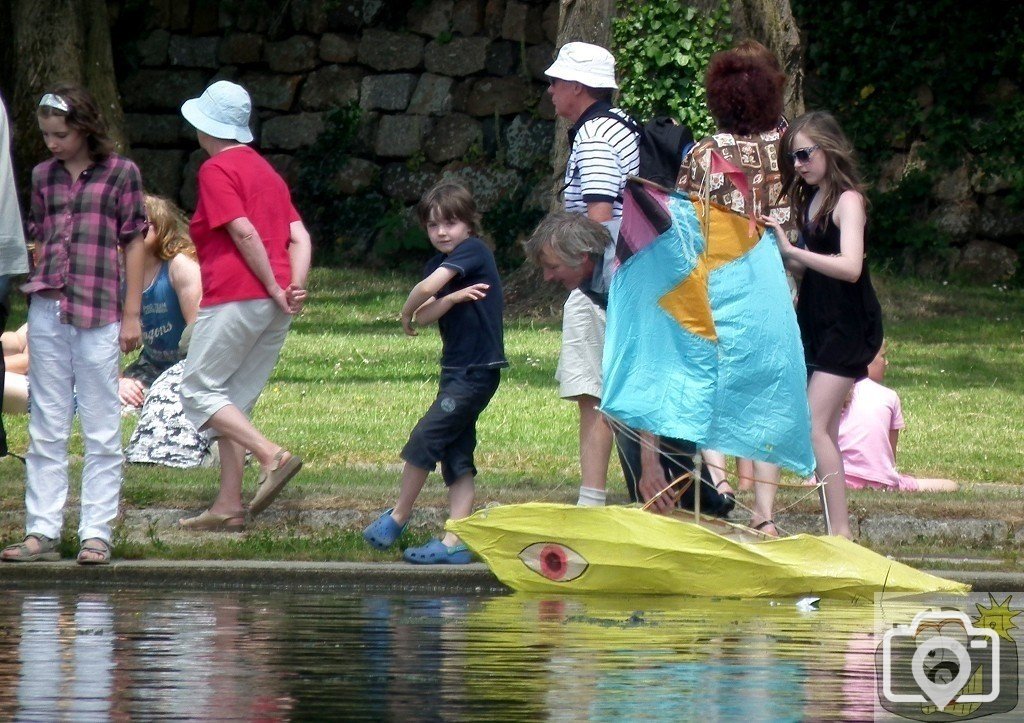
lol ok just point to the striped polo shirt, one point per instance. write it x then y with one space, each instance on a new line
603 152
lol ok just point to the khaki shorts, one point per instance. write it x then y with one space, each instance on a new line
232 354
579 362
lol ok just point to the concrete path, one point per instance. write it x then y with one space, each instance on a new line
324 576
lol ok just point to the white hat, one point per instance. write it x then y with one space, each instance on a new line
222 111
589 64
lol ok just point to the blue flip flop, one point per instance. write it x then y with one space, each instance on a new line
384 531
436 552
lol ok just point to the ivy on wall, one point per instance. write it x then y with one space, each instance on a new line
662 52
941 73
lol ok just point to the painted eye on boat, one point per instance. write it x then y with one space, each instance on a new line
554 561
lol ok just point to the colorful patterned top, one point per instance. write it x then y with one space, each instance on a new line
758 157
78 228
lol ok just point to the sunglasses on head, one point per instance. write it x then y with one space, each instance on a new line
802 154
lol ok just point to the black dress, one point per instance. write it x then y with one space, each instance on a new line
840 322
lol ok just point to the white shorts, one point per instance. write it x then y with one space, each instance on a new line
579 362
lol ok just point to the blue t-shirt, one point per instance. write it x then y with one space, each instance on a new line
162 321
471 332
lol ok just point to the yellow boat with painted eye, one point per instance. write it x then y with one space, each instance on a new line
545 548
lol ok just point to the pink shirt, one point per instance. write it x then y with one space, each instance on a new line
235 183
864 433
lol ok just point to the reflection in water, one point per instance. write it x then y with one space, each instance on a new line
240 655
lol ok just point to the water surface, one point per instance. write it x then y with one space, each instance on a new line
243 655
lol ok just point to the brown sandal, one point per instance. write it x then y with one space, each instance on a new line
207 521
272 481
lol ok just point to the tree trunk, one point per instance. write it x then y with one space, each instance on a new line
589 21
772 23
51 42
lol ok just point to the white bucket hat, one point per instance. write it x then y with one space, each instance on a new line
222 111
584 63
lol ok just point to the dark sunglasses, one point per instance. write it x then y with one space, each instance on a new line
802 154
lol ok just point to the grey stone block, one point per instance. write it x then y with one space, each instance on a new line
296 54
272 91
400 136
386 50
153 130
190 52
356 175
331 87
459 57
528 142
502 57
452 137
188 192
501 96
487 183
336 48
433 95
153 48
293 131
398 181
467 17
240 48
161 170
387 92
433 18
987 262
147 89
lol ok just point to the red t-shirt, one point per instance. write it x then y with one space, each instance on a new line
234 183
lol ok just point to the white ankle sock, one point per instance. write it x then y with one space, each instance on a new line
590 497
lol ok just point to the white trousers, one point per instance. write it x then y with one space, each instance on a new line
63 361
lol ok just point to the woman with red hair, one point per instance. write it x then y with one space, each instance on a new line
744 94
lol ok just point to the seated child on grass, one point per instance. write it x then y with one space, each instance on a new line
869 429
461 291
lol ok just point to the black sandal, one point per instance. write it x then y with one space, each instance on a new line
761 525
729 498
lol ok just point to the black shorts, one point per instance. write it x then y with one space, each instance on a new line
447 432
676 459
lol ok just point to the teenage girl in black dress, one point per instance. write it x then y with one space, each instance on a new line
839 316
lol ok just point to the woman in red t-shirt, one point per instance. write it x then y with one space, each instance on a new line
254 255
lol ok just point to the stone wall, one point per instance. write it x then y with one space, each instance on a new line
444 86
974 209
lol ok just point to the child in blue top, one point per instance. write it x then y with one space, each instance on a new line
461 291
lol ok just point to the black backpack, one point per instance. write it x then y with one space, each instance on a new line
663 143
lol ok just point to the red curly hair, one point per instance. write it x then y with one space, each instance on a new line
744 89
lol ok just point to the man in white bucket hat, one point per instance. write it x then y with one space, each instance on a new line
254 255
604 151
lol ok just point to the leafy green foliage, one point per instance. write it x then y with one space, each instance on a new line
507 222
332 219
939 72
899 226
662 51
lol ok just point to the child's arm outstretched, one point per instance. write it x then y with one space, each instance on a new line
849 262
424 307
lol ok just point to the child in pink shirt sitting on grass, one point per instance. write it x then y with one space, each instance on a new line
868 433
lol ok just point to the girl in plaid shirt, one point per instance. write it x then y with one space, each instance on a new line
86 206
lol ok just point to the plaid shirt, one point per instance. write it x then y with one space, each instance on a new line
78 229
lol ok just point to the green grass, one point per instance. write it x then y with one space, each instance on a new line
350 386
